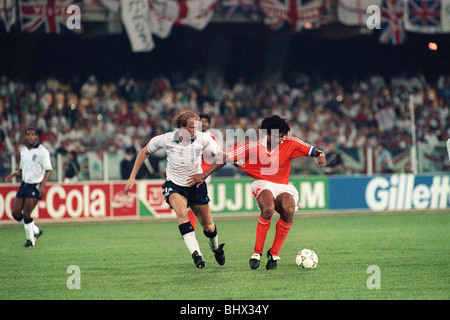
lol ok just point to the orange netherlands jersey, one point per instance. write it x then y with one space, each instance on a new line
274 166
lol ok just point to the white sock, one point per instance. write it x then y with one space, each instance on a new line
214 242
213 238
35 228
191 242
29 231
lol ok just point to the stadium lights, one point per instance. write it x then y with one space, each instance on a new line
432 46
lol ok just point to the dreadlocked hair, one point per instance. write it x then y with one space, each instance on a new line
275 122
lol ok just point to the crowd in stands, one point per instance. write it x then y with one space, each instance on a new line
111 115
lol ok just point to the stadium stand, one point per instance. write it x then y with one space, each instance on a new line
113 116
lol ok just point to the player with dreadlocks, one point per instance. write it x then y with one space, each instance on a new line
268 160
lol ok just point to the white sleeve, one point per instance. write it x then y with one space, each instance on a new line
21 159
156 143
210 146
46 162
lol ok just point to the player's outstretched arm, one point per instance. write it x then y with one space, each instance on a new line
137 165
198 179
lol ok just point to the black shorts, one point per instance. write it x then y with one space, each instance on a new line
27 190
193 194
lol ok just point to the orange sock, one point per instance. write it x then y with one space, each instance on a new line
261 232
282 230
192 218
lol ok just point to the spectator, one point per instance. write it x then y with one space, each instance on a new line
126 165
335 165
357 116
90 88
73 168
385 158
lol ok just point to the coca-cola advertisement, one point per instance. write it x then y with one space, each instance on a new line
74 201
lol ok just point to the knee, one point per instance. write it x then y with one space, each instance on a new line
267 211
209 227
287 213
17 215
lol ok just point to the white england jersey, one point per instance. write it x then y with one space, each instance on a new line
33 163
183 160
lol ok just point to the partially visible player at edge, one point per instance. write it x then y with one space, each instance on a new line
271 188
35 169
184 148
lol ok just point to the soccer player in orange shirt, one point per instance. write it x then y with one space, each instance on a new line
268 160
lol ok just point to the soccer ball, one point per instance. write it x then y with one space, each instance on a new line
306 259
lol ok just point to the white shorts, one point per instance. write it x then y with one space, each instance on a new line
276 189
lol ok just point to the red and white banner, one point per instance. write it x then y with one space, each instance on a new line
145 18
163 15
354 12
294 12
8 9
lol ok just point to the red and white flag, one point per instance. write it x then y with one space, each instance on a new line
165 14
354 12
294 12
158 18
8 13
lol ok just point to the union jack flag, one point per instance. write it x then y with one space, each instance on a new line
45 16
392 31
238 6
428 16
424 12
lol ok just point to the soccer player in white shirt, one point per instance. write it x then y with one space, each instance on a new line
184 148
35 169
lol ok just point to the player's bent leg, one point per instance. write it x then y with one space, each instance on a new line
266 204
17 209
204 216
28 207
32 204
285 206
203 213
179 205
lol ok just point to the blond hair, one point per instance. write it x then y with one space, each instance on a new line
182 118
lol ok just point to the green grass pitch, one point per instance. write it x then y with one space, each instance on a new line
148 260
